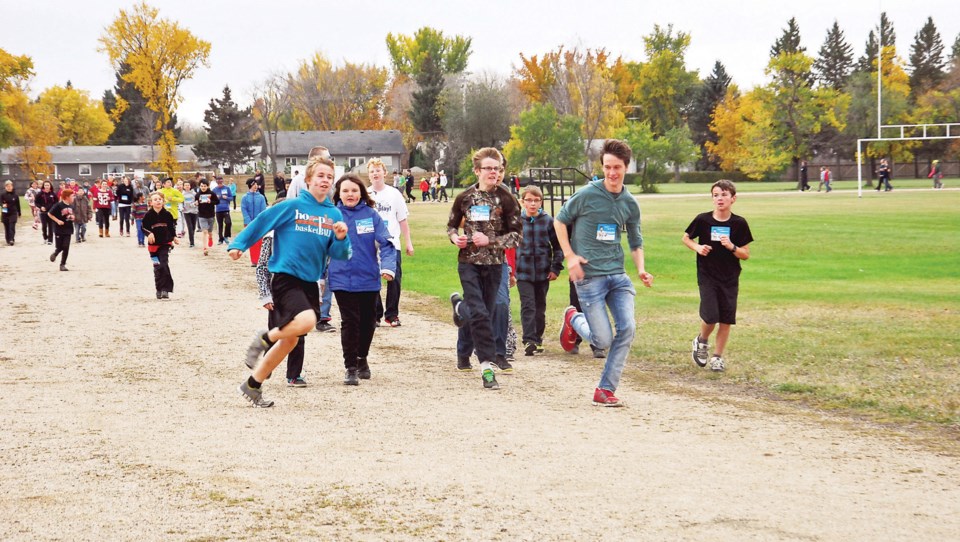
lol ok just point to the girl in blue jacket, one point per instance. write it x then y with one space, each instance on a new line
356 282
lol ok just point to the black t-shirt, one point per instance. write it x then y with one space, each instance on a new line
720 264
207 204
64 213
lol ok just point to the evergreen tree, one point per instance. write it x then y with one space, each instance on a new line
888 38
835 59
926 59
231 133
424 110
955 52
132 126
789 42
136 125
708 95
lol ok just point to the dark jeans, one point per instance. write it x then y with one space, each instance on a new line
103 219
393 296
161 269
295 359
356 325
224 225
46 226
533 308
10 227
191 220
63 247
480 284
124 218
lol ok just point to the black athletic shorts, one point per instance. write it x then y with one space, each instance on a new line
718 300
291 296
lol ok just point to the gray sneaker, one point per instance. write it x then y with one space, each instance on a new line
716 364
254 396
257 347
700 352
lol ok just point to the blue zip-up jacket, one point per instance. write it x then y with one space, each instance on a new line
251 205
539 253
303 236
366 231
224 197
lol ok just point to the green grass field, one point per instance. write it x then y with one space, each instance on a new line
845 303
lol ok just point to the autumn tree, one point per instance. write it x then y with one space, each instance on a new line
161 56
927 65
747 138
80 119
710 93
478 112
447 54
544 138
231 133
575 82
329 97
270 103
835 59
15 71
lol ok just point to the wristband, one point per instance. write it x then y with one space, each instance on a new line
735 247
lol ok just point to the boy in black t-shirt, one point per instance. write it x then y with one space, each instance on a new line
62 216
724 240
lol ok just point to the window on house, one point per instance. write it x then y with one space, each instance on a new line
85 170
6 170
290 161
116 168
355 161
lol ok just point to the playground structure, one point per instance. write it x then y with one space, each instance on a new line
556 183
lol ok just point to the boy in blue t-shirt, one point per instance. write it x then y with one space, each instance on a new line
225 197
722 240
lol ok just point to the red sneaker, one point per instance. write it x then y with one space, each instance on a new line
568 335
605 398
394 323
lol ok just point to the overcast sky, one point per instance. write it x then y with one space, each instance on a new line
251 39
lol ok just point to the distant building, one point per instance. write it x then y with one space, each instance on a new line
348 148
86 162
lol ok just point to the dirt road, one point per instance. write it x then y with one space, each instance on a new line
121 421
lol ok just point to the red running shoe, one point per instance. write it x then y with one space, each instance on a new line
568 336
605 398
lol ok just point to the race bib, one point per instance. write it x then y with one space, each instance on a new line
4 210
717 231
204 199
480 213
364 225
606 232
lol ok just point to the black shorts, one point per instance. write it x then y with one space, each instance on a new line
291 296
718 300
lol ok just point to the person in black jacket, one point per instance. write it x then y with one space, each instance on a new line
61 214
44 201
126 197
10 206
161 230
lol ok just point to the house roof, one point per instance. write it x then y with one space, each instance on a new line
103 154
341 142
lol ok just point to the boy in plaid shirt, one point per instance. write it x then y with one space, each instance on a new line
539 261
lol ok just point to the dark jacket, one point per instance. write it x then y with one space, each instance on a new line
45 200
539 253
162 225
81 209
11 205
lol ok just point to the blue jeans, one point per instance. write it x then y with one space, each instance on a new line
141 237
501 321
325 301
596 295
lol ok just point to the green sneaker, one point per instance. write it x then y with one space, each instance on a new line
489 380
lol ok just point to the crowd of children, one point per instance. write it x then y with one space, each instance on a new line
348 238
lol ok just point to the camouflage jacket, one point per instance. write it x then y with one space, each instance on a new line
496 214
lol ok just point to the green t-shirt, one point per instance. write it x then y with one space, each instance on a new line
598 218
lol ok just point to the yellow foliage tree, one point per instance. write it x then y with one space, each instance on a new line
36 128
747 135
348 97
80 119
161 56
14 72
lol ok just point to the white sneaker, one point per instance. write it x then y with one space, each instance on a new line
716 364
701 351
